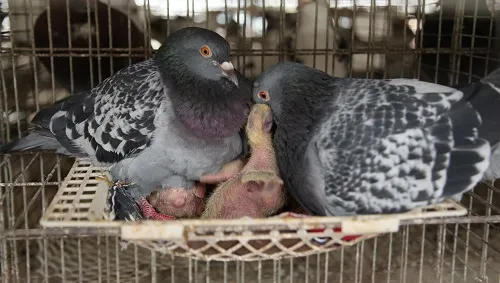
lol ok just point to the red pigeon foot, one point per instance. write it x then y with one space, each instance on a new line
150 213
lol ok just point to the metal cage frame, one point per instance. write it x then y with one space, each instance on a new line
455 45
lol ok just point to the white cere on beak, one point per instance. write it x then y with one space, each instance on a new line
228 71
227 66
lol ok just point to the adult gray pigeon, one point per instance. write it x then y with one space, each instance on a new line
360 146
160 123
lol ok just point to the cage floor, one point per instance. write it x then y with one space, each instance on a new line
411 255
81 202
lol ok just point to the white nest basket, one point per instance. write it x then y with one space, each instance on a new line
81 202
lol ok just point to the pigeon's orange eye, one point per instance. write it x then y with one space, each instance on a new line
264 95
205 51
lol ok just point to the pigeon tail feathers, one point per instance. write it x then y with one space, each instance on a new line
469 157
484 96
40 136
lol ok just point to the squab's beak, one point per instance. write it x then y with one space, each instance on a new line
228 72
265 116
260 119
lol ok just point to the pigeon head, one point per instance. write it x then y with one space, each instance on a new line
288 82
203 53
209 96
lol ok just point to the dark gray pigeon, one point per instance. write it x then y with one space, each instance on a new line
160 123
360 146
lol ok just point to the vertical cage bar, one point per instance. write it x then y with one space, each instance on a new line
467 238
154 278
4 135
374 259
98 43
172 268
110 39
168 16
371 31
490 44
264 47
420 21
357 269
136 265
404 253
129 33
422 253
441 249
438 53
275 271
389 263
454 257
33 58
63 267
486 235
351 45
79 251
473 41
457 41
108 257
196 260
238 12
327 257
318 268
11 216
99 261
91 63
117 259
341 273
281 32
225 271
306 274
14 78
405 47
327 37
6 267
147 44
207 279
334 38
315 44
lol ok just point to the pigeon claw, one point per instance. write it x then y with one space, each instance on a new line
105 178
150 213
110 183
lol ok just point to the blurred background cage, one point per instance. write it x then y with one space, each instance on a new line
51 48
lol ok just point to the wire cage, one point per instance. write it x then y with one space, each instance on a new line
53 223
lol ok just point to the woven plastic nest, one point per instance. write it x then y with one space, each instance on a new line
81 201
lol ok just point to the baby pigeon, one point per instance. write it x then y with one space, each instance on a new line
257 190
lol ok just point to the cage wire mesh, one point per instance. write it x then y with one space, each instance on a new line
50 49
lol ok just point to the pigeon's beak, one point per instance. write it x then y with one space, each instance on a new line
228 72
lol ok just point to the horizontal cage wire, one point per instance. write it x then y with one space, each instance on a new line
54 218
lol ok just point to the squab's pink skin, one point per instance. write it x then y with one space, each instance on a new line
257 190
179 202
